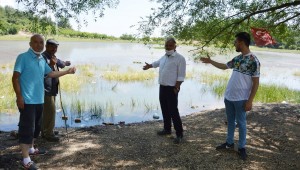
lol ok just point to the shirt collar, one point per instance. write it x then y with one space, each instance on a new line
33 55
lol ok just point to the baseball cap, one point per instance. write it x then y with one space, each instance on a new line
52 41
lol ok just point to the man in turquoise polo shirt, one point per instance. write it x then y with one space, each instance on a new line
28 82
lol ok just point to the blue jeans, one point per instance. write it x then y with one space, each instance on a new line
235 111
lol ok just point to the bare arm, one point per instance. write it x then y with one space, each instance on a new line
55 74
214 63
17 89
255 84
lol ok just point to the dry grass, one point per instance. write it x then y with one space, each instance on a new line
272 143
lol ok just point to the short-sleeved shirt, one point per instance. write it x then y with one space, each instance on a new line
240 83
32 69
171 69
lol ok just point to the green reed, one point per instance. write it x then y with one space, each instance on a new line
129 75
266 93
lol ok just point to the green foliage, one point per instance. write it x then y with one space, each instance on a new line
215 22
127 37
12 21
68 8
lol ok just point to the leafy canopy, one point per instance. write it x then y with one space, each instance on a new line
214 22
68 8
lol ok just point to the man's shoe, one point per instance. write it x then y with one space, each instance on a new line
30 166
163 133
52 138
243 154
225 146
178 140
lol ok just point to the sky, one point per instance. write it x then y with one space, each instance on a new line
116 21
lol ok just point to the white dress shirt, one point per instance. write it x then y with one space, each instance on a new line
171 69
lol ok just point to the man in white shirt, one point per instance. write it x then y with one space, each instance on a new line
172 68
240 91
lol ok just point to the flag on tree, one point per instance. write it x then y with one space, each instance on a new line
262 37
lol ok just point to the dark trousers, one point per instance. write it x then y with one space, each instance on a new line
168 103
30 122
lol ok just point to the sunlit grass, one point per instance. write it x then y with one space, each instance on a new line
274 93
266 93
210 79
129 75
7 94
72 83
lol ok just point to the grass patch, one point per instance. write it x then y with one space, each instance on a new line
7 94
266 93
274 93
129 75
211 79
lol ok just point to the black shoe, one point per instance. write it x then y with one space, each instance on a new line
163 133
243 154
225 146
178 140
52 138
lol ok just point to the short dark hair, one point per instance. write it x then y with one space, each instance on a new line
171 39
243 36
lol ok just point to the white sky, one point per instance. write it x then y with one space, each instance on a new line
116 21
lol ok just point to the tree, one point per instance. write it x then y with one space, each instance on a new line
214 22
68 8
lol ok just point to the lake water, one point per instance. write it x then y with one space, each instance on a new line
138 101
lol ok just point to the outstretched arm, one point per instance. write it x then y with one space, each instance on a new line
55 74
147 66
214 63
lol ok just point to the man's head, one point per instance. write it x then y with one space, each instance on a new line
170 44
37 43
51 46
242 40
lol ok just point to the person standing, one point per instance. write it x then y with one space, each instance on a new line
28 83
240 91
172 70
51 90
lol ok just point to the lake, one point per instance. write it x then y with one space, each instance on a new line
137 101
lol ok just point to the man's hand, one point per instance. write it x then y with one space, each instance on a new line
67 63
20 102
53 61
206 59
248 105
147 66
71 70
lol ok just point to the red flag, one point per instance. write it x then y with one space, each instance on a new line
262 37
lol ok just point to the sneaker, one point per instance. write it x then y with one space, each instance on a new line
178 140
242 153
38 152
30 166
52 138
225 146
163 133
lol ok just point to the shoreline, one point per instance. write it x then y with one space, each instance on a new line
272 143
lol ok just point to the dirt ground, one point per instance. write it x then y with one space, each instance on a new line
272 143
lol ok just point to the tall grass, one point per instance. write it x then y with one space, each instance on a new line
129 75
210 79
7 94
266 93
275 93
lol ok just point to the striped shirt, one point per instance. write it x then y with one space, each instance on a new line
240 83
171 69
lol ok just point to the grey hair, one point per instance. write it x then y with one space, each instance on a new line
171 39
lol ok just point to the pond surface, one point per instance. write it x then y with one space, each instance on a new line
138 101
